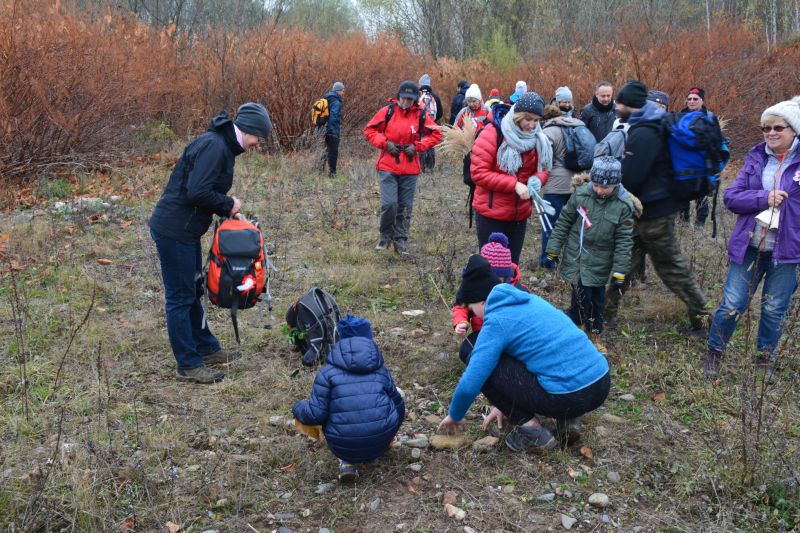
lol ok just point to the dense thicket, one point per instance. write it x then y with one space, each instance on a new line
81 86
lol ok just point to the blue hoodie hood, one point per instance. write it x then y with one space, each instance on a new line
649 113
354 326
358 355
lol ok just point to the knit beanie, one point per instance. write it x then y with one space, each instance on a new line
698 91
354 326
658 97
563 93
499 256
788 110
521 87
477 280
606 171
633 94
530 102
338 86
494 93
253 118
425 80
474 92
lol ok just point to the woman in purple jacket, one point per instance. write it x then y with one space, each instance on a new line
765 243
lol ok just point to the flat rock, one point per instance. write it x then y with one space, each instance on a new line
455 512
414 312
415 467
397 332
450 442
627 397
416 453
285 517
598 499
485 444
468 529
613 419
374 504
275 420
567 521
433 419
547 497
613 476
322 488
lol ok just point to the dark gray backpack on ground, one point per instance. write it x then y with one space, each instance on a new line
312 320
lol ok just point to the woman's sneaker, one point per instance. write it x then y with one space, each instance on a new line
348 472
536 439
569 430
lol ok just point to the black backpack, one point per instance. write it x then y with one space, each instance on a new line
312 320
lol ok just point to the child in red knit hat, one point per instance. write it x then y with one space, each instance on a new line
495 251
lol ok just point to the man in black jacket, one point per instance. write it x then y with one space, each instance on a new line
196 191
600 114
458 101
646 171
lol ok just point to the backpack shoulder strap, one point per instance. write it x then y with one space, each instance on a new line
388 117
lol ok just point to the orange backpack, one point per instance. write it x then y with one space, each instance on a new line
236 270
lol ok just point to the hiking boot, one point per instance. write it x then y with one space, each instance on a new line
568 431
711 363
401 248
536 439
348 472
201 374
221 357
595 338
383 244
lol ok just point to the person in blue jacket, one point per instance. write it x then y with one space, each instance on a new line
529 360
333 127
354 399
196 191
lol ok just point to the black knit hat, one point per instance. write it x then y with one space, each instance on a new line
477 280
633 94
253 118
530 102
698 91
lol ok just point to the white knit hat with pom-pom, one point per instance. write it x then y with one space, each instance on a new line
789 110
474 92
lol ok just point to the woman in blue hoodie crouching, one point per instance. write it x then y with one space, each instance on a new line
529 359
354 399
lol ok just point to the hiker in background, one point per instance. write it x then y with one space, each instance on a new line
529 361
764 243
196 191
559 183
519 89
458 101
593 239
646 173
499 256
333 127
661 99
695 101
354 399
400 130
563 100
509 154
474 110
432 104
599 115
494 98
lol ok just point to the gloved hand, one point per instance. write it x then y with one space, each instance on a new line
551 262
617 280
392 148
534 185
410 150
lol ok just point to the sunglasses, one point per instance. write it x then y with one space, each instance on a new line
778 129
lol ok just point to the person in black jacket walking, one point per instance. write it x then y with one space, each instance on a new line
196 191
646 171
600 114
459 101
333 127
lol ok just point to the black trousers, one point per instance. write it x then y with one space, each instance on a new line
701 210
515 231
587 307
517 393
331 151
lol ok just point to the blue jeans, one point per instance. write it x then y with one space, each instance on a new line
558 201
180 263
780 282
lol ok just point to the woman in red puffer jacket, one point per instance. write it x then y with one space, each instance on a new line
511 154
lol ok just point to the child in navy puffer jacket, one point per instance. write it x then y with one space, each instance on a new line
354 399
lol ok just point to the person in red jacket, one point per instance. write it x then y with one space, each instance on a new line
395 129
510 153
